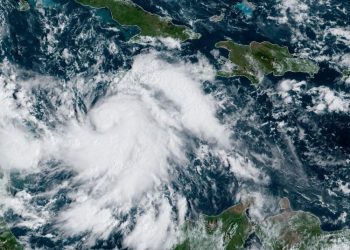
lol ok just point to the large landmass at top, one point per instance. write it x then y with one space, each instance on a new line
126 12
256 60
231 229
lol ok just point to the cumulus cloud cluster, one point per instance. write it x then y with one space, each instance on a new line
343 34
297 9
121 151
324 99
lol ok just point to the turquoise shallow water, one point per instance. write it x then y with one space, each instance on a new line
31 2
49 3
45 3
245 8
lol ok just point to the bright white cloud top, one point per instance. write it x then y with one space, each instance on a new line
121 151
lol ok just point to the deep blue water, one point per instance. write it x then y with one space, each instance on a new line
303 170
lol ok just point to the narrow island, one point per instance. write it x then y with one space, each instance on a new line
7 240
127 13
256 60
217 18
287 230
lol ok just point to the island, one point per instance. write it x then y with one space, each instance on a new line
217 18
7 240
288 229
127 13
345 76
23 5
256 60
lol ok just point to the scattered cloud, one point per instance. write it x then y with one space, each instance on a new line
121 151
326 99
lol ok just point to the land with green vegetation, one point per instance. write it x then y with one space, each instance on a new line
256 60
289 229
7 239
126 12
345 75
23 5
228 230
298 230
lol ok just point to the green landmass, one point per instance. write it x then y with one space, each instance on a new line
256 60
126 12
345 74
297 230
7 240
289 229
23 5
228 230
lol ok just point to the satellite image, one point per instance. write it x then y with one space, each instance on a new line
175 125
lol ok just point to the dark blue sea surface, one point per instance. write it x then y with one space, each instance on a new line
304 169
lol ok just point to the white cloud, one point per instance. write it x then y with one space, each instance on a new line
87 216
168 42
287 85
297 9
120 150
171 43
261 205
18 149
153 230
244 169
345 61
324 99
344 187
343 34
